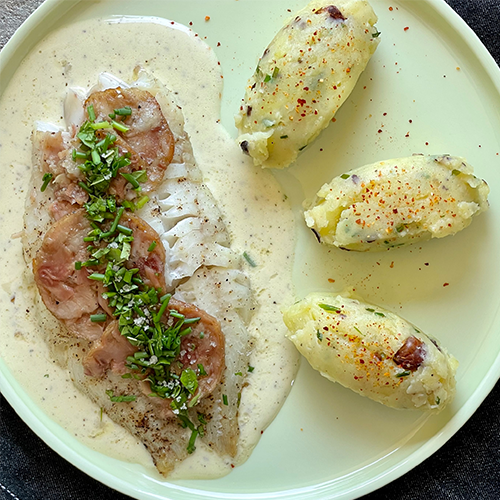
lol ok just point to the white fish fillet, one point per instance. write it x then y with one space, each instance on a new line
200 267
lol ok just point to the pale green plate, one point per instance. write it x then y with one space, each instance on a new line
328 442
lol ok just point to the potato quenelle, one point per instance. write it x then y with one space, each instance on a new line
372 351
396 202
303 77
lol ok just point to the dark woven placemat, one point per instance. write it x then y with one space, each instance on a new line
466 468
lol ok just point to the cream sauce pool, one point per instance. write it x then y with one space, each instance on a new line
256 212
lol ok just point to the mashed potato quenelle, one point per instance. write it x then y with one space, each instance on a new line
303 77
372 351
397 202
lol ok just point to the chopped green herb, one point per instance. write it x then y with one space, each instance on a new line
98 318
251 368
329 308
358 330
239 400
125 111
152 246
46 375
438 400
46 179
370 309
345 176
249 259
78 265
376 34
400 228
303 147
319 335
91 113
201 369
224 399
239 374
120 399
403 374
455 172
267 78
284 137
380 314
275 72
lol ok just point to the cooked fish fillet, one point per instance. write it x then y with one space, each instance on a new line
199 266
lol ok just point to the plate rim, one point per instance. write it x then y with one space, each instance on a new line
34 417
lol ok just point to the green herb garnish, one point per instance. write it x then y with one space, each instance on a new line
120 399
46 179
329 308
249 259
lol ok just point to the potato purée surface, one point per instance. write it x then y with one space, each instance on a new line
303 77
397 202
372 351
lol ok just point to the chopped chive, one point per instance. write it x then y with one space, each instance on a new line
119 126
125 230
78 265
125 111
376 34
191 447
380 314
369 309
455 172
46 179
303 147
284 137
275 72
142 201
162 309
224 399
329 308
130 178
267 78
84 187
152 246
345 176
403 374
201 368
239 400
96 158
96 277
319 335
91 113
400 228
249 259
358 330
101 125
98 318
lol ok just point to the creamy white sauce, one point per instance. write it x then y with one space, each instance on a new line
256 212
